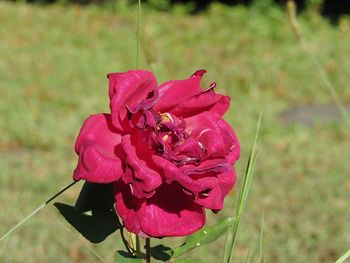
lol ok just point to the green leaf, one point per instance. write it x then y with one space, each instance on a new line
204 236
161 253
188 260
125 257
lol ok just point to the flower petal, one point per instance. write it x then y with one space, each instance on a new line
127 206
170 212
212 176
140 175
174 92
216 104
203 127
230 141
214 199
169 170
98 147
127 89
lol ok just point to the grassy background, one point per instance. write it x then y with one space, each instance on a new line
53 66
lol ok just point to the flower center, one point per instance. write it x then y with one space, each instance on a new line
166 117
166 134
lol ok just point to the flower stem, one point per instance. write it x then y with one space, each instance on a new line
138 34
138 247
148 250
125 241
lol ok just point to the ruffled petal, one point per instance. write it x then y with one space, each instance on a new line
230 141
170 212
207 183
214 198
127 207
168 169
216 104
139 173
98 147
126 90
174 92
189 184
203 127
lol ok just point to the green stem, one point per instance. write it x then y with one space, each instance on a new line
138 34
126 244
148 250
344 257
138 247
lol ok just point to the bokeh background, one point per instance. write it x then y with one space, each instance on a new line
54 57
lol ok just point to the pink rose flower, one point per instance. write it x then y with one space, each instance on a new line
167 149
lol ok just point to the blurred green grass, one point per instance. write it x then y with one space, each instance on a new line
53 66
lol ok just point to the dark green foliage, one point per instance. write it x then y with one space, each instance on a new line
95 197
93 214
161 252
204 236
188 260
125 257
330 8
95 227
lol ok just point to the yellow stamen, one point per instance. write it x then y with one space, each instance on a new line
166 117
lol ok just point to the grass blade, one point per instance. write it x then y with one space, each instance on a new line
224 254
138 34
81 241
291 12
12 229
343 257
247 257
244 191
22 221
261 240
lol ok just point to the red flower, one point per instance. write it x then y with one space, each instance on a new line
167 150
